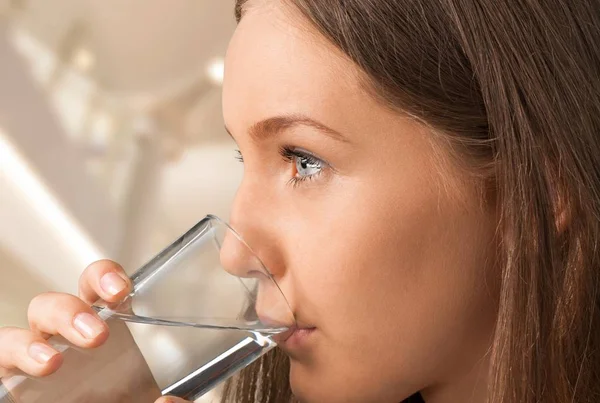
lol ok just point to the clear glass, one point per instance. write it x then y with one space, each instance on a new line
201 310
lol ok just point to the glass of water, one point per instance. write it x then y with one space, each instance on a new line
201 310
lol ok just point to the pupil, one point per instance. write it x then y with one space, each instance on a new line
304 163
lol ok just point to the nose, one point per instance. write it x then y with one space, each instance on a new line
255 215
236 256
265 300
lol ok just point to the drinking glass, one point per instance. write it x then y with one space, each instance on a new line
199 311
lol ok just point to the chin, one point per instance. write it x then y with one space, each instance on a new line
305 385
310 386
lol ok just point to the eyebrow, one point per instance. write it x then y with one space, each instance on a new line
271 126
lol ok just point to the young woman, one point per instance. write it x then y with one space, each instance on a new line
422 177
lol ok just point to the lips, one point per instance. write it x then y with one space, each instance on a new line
301 332
294 335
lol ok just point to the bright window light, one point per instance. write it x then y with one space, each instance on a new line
84 59
14 167
216 70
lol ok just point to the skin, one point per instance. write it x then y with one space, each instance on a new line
50 314
386 250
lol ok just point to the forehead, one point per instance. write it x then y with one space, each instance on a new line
278 64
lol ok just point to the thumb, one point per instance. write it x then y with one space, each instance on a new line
171 399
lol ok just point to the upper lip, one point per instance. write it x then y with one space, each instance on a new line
281 337
298 324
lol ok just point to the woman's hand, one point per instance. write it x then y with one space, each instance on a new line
66 315
73 318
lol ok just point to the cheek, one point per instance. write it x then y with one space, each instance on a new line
395 280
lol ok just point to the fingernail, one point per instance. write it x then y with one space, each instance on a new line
41 352
89 326
112 283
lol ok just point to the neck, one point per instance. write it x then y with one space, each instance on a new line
469 387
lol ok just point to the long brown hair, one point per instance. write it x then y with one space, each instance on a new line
514 86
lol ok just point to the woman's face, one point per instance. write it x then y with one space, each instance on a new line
377 241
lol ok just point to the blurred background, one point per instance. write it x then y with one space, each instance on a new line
112 142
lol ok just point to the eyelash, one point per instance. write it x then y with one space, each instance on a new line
239 156
289 154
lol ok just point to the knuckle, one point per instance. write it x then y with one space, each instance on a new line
55 307
37 303
90 272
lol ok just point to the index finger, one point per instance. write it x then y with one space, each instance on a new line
104 280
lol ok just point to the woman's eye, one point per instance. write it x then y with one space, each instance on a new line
304 165
307 166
